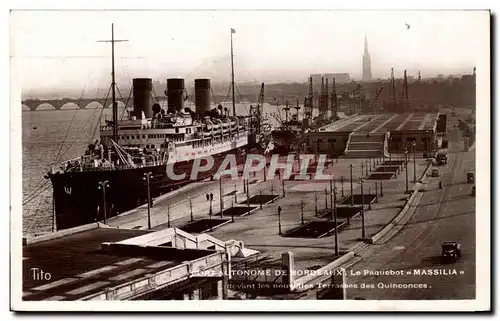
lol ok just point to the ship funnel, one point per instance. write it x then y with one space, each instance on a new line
202 96
175 94
142 88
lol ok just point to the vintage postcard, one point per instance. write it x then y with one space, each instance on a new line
313 160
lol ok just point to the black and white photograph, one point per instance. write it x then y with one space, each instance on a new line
326 160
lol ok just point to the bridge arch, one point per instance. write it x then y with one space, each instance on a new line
96 104
45 106
69 106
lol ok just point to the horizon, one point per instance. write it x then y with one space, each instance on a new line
29 94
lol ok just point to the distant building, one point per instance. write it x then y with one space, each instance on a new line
367 64
340 78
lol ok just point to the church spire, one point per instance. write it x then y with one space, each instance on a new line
366 53
367 65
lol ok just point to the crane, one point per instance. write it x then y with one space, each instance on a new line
256 112
377 95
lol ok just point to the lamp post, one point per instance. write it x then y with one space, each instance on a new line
147 177
335 220
209 210
248 195
406 165
102 186
302 211
369 193
414 162
342 184
326 199
390 149
191 208
362 171
221 198
232 212
279 220
315 204
352 196
168 214
366 167
362 210
331 199
210 198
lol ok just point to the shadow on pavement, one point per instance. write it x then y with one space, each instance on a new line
440 218
431 261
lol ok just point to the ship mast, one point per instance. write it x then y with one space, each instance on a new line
232 72
113 83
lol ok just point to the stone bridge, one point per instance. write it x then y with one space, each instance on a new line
34 104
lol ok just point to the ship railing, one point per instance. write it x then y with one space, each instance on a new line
93 168
161 126
105 128
65 164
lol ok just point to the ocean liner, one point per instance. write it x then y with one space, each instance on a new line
144 147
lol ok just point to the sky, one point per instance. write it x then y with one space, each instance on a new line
60 49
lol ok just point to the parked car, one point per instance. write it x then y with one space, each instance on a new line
470 178
435 172
450 250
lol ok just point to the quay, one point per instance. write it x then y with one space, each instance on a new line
196 245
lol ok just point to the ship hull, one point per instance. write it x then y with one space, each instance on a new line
284 140
79 201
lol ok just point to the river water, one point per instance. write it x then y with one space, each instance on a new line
52 136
